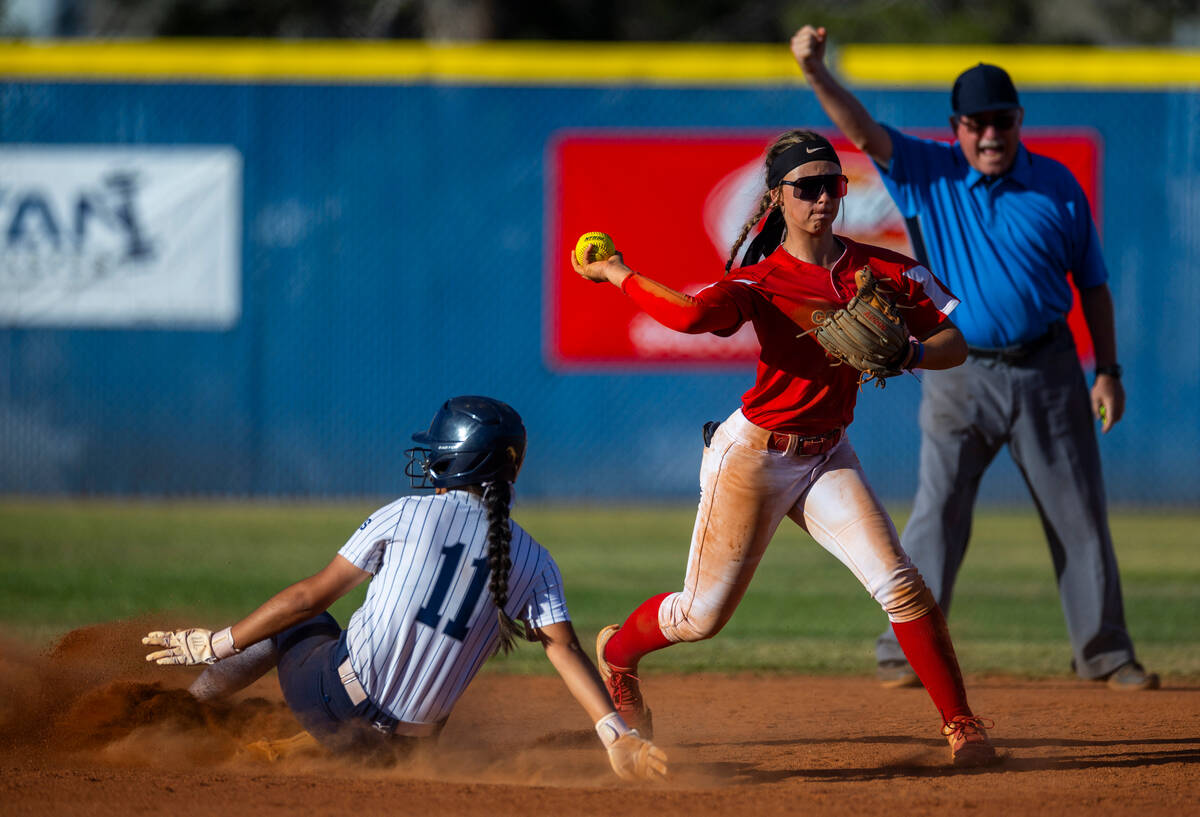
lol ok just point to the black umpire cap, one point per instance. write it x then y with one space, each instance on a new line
983 88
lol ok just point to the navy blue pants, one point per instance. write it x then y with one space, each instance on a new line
309 656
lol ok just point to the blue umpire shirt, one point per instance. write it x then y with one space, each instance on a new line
1003 246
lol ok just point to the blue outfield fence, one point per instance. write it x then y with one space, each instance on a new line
392 250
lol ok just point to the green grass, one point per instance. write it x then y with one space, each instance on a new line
67 564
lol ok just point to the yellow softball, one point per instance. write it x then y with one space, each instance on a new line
594 246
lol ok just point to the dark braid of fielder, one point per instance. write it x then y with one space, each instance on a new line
497 496
764 204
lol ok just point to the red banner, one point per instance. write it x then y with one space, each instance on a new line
674 202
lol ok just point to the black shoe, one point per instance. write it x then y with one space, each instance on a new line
895 674
1132 677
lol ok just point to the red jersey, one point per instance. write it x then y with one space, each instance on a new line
798 389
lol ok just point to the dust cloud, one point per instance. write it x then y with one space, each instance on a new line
93 698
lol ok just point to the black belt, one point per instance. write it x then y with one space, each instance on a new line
1017 353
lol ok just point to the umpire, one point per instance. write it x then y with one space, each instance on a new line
1003 226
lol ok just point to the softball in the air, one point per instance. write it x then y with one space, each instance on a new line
593 246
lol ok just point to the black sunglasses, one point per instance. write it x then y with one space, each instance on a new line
1000 120
809 188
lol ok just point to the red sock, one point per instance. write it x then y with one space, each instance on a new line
640 634
926 644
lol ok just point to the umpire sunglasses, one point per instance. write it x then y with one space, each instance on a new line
978 123
809 188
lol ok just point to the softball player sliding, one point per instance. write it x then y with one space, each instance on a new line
785 452
391 678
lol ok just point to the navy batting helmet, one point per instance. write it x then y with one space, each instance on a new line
472 440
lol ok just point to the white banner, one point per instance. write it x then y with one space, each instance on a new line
115 236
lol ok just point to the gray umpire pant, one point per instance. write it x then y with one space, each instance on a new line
1040 407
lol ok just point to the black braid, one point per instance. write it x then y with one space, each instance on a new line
764 204
497 496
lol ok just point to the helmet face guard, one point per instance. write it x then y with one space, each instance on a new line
472 440
417 467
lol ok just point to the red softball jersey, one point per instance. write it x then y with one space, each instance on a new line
799 389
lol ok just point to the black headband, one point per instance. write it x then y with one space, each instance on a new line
814 150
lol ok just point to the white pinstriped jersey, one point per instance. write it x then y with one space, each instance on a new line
428 622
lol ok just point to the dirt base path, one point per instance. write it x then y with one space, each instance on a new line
92 730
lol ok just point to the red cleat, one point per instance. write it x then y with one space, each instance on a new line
623 688
969 744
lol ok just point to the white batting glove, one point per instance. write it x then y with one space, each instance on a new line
632 757
190 647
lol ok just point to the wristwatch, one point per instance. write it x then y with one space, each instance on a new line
1112 371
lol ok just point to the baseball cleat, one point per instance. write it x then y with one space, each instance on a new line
896 674
969 744
1132 677
623 688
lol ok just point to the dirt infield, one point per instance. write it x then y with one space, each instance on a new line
91 729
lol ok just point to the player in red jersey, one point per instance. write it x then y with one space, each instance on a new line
785 451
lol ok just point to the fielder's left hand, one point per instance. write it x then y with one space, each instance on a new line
188 647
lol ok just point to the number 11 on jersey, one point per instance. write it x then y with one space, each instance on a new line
431 613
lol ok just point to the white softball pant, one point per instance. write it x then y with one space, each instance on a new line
745 491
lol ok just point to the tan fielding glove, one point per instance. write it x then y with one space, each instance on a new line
632 756
189 647
868 333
